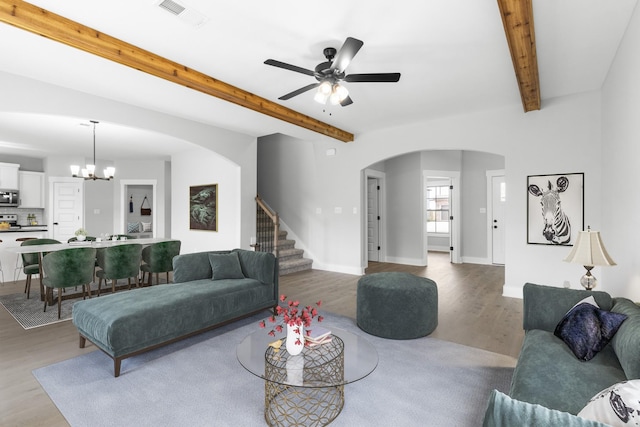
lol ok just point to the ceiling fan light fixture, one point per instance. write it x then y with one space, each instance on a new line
338 94
323 93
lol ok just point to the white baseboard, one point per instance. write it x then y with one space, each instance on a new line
474 260
345 269
405 261
512 291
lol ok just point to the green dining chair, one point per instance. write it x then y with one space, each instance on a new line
68 268
158 258
119 262
31 262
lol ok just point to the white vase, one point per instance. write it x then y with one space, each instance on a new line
295 339
81 237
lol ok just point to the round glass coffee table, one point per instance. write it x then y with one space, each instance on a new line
307 389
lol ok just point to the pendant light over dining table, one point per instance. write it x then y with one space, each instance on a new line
88 172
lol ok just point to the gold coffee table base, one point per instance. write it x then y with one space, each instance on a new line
302 406
307 389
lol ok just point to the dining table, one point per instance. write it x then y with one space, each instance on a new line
53 247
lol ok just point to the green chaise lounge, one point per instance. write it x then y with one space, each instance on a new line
210 289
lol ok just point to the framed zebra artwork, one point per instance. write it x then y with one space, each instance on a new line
555 208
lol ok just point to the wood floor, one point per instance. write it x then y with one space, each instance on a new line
472 311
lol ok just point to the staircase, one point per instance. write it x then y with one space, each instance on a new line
290 259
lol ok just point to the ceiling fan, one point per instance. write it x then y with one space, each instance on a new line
331 74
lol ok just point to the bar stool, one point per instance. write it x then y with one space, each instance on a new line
19 265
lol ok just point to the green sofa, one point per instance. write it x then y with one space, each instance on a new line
549 382
209 289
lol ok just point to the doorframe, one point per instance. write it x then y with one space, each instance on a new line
454 176
52 181
382 211
490 175
124 205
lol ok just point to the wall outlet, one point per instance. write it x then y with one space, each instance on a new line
337 210
96 211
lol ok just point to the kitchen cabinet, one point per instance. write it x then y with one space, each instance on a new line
9 176
31 189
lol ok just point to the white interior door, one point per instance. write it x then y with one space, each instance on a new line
373 221
498 205
67 205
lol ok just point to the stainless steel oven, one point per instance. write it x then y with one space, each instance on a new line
8 198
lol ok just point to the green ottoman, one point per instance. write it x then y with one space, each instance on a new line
397 305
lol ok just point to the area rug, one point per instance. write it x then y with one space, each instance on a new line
199 382
29 312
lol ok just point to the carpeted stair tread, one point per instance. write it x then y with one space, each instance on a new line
295 265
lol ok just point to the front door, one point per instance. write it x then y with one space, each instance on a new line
67 204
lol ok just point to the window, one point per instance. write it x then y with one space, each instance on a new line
438 209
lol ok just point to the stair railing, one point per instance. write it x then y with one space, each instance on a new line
267 228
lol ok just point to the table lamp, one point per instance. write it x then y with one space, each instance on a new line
590 252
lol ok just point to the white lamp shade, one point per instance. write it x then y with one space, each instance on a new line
75 170
589 250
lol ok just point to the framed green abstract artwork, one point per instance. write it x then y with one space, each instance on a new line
203 207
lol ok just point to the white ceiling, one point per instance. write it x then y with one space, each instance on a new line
452 54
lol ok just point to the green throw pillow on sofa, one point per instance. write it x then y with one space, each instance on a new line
504 411
225 266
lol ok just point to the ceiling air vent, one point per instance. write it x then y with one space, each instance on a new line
190 16
172 7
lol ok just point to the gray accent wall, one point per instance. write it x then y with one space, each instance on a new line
473 183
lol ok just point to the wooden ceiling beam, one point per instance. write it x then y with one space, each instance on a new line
39 21
517 18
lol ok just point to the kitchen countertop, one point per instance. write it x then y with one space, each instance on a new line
25 228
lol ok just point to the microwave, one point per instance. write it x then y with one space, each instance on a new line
8 198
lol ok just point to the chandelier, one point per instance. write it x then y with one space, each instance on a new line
88 172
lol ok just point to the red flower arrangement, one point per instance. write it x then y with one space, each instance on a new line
293 315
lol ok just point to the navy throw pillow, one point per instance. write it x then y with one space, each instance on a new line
587 329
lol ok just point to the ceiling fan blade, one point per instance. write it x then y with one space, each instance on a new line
299 91
289 67
346 101
373 78
346 53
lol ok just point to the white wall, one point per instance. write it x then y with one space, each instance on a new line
549 141
201 167
620 158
